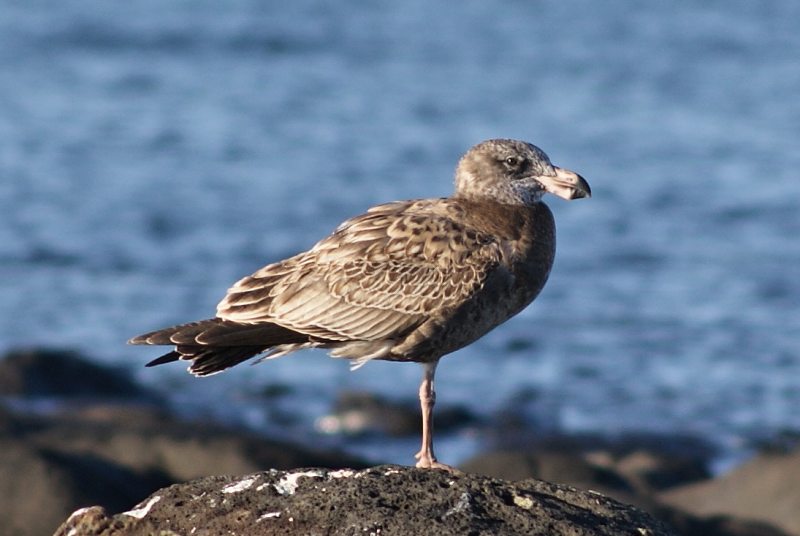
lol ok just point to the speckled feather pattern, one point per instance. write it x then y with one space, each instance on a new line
406 281
383 275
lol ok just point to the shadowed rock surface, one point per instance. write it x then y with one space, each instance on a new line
98 449
361 412
115 455
767 488
382 500
636 477
55 372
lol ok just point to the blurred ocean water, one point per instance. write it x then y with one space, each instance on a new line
152 153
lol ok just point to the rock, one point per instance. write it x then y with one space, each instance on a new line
650 471
561 467
764 489
633 478
358 412
62 373
114 456
95 520
40 486
629 473
182 450
382 500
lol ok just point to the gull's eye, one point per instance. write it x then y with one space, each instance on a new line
515 165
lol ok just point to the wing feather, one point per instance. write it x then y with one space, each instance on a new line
378 276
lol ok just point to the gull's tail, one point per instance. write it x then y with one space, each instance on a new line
215 344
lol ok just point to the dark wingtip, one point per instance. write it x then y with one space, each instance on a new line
166 358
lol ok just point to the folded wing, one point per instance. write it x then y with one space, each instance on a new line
378 276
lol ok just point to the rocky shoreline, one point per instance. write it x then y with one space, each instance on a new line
380 500
117 449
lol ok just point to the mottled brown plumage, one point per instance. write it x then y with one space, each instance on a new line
407 281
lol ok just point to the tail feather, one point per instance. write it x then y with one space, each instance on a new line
235 334
219 332
215 344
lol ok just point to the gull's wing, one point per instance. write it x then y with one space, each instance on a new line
378 276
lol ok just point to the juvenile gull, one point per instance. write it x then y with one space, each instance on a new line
407 281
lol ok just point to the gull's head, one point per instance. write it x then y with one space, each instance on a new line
516 173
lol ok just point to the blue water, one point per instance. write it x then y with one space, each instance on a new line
152 153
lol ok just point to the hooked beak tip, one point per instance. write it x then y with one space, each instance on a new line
582 188
567 185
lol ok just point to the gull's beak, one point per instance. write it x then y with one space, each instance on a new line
566 184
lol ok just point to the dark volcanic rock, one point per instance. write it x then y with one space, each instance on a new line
652 471
181 450
382 500
46 372
358 412
40 486
115 455
631 477
563 467
767 489
634 478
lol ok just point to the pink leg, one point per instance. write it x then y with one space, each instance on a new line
427 398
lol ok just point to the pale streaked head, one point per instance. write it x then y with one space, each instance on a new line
516 173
